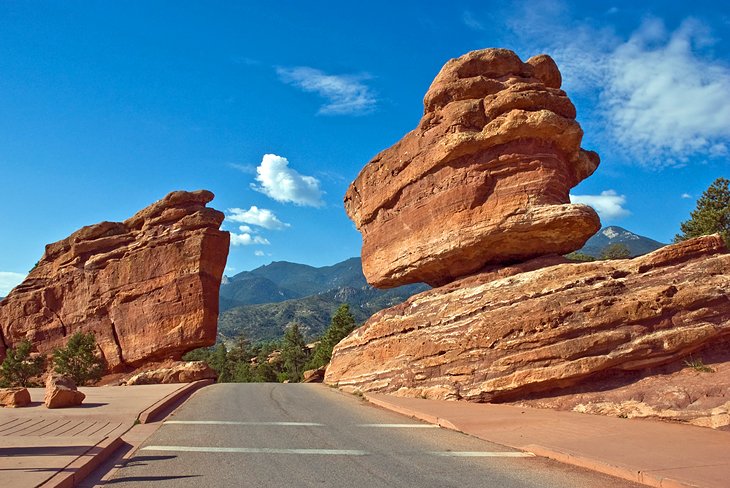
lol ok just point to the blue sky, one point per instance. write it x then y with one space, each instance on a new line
106 107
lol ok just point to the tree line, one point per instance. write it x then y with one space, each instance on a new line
275 361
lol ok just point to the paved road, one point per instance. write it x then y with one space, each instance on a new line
275 435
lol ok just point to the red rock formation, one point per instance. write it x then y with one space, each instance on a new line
483 179
61 392
176 372
14 397
147 287
534 326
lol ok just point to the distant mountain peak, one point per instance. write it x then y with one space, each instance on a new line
614 234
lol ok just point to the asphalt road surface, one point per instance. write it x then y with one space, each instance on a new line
300 435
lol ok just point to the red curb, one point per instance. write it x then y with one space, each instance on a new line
626 473
644 478
147 415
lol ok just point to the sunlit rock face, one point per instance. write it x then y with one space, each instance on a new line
542 325
146 287
484 178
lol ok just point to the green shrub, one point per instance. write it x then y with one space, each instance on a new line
19 367
78 359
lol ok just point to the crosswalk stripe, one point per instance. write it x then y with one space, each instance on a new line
516 454
258 450
225 422
401 426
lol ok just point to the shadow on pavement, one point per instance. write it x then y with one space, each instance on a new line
147 479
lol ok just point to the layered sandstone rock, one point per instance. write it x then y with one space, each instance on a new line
483 179
146 287
14 397
178 372
537 326
61 392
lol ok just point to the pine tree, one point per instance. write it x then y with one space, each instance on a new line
293 353
218 360
616 250
343 322
19 367
712 214
78 359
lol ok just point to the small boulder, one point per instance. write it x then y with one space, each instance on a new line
14 397
179 372
61 392
314 375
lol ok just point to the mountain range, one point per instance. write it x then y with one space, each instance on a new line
262 302
636 244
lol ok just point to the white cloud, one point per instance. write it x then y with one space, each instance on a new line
686 196
664 100
608 204
245 238
345 94
661 98
261 217
259 253
8 281
284 184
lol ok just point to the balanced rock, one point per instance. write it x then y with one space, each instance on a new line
542 325
146 287
484 178
179 372
14 397
61 392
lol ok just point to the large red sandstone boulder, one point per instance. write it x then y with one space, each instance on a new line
61 392
14 397
539 325
146 287
179 372
483 179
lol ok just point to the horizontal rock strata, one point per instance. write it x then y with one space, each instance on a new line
484 178
538 325
146 287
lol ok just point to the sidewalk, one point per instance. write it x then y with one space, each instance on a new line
654 453
58 447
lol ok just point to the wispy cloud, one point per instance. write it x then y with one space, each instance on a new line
661 94
471 21
284 184
244 168
261 217
663 99
344 94
8 281
686 196
609 204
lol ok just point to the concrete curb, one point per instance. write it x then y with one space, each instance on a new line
624 472
431 419
73 474
83 465
150 413
643 477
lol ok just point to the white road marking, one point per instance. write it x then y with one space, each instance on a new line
401 426
258 450
224 422
516 454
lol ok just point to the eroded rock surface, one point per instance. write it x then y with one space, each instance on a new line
146 287
178 372
538 326
483 179
14 397
61 392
